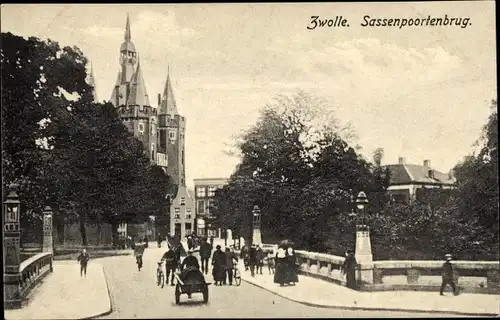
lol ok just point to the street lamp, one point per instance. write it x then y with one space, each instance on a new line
361 203
256 235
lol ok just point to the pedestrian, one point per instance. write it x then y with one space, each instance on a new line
252 259
83 258
146 241
205 253
230 260
447 277
260 259
244 256
212 241
218 263
159 240
291 270
170 259
349 269
280 273
270 262
190 242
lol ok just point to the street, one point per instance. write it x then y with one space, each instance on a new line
134 294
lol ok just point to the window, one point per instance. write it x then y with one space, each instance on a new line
177 213
188 213
152 151
171 135
183 201
200 192
182 159
210 205
211 191
163 139
188 228
153 127
141 127
201 207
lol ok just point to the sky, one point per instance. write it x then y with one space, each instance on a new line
418 92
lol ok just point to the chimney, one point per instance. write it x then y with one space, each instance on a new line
431 174
159 100
427 163
402 160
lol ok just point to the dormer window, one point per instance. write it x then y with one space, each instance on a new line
183 201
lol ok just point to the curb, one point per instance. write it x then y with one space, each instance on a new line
105 313
317 305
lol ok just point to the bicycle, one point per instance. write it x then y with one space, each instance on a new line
139 261
236 275
160 276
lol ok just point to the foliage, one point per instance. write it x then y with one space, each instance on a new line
90 168
305 177
300 176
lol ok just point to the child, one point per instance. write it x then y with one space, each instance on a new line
83 258
270 262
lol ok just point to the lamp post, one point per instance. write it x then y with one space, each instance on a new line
256 234
361 203
47 230
363 253
11 262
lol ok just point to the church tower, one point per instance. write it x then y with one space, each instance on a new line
171 140
91 83
131 98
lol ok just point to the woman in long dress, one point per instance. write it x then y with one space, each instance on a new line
291 269
280 273
349 269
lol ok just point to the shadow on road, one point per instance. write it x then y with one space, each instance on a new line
190 303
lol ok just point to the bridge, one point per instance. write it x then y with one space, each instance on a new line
114 288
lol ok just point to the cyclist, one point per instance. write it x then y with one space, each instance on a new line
170 258
138 252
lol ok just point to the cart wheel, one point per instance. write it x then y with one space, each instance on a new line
237 277
205 295
177 294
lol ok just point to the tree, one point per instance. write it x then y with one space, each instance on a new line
90 169
298 167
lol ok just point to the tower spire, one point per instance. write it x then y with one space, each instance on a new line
128 36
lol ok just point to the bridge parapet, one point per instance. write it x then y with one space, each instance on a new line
320 265
33 270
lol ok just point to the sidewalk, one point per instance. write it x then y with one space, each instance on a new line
63 294
320 293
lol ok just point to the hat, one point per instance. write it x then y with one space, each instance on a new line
217 247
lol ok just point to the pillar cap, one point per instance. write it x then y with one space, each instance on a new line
47 208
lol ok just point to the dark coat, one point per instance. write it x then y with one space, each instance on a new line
252 256
230 256
219 262
447 271
260 256
170 259
349 269
83 258
190 261
205 250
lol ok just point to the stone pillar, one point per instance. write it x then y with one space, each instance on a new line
11 253
363 255
256 234
48 244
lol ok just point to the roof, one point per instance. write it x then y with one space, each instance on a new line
416 174
168 104
91 82
127 45
115 88
138 93
211 181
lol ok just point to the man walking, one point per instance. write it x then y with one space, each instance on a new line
83 258
252 259
170 264
205 253
447 277
231 259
